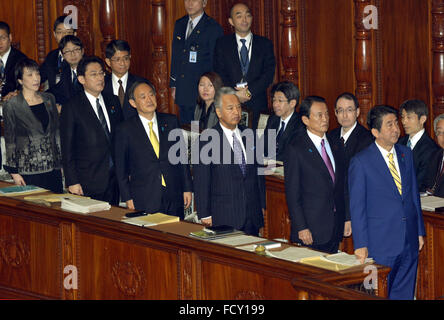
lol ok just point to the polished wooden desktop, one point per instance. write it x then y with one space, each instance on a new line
48 253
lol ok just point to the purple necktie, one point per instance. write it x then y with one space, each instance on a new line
327 160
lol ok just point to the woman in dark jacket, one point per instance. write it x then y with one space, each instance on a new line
31 129
205 113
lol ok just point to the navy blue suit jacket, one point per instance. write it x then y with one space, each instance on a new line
311 194
221 191
139 170
127 109
185 75
15 56
65 89
382 219
260 72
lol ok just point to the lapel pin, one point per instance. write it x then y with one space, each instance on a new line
179 38
310 150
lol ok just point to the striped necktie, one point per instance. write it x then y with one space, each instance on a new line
155 144
394 173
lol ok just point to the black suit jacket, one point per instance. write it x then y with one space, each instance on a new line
221 190
433 177
423 151
50 69
65 89
127 109
311 194
139 170
185 75
260 72
86 150
293 128
359 139
14 57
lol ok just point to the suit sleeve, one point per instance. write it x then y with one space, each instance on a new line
219 62
423 166
202 186
267 74
67 140
216 33
416 200
10 140
293 190
357 189
187 182
122 163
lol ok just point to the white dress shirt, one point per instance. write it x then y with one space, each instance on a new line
195 21
92 100
286 121
116 85
317 142
229 135
5 57
146 126
346 135
414 140
386 159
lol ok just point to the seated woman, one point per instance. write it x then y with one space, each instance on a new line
31 129
205 113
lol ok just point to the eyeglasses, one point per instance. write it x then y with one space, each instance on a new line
342 111
279 100
439 133
4 38
124 59
65 32
72 52
97 74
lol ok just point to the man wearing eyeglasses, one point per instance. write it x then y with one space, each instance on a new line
87 125
118 58
435 174
51 68
68 86
9 57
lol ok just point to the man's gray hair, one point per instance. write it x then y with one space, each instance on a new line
220 93
437 119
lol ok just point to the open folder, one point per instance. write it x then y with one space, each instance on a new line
151 220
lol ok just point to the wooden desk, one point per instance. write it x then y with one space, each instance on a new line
115 260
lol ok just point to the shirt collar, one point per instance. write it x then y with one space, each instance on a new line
316 139
6 56
349 132
287 120
229 132
146 121
414 140
196 20
247 38
384 152
93 99
124 79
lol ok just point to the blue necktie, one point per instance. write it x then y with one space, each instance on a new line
239 155
2 67
409 144
245 61
59 62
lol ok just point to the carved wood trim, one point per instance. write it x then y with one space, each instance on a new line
107 23
438 56
186 287
304 83
363 61
85 23
68 256
41 28
14 251
129 278
289 41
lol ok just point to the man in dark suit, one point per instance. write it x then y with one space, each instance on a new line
314 182
68 86
414 115
118 58
286 121
226 180
51 68
87 127
384 204
351 135
9 57
434 182
194 38
148 181
246 61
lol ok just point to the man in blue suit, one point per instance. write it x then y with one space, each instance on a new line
385 208
194 39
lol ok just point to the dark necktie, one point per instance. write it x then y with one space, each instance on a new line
75 82
59 63
327 160
245 61
121 93
239 155
2 68
279 136
102 118
343 141
190 29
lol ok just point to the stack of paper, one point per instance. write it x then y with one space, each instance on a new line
151 220
430 203
335 262
84 205
20 190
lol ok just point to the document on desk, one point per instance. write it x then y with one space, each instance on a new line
239 240
430 203
294 254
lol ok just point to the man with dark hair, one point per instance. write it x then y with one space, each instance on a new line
434 181
385 208
118 58
51 68
9 57
147 179
314 182
414 115
72 51
87 128
194 38
246 61
286 121
229 192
